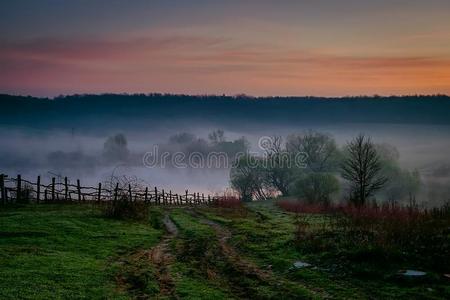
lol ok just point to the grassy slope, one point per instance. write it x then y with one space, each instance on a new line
267 238
64 251
69 251
216 270
191 282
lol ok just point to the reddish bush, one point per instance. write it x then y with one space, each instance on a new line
416 233
228 202
300 207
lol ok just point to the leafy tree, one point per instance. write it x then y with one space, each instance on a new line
115 148
401 184
232 148
247 178
362 168
316 187
182 138
320 150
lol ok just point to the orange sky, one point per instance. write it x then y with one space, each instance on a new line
364 49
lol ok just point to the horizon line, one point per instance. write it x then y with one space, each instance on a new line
234 96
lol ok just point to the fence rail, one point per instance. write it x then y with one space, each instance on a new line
16 190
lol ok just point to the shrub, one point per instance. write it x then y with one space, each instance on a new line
124 209
228 202
25 193
393 232
302 207
156 218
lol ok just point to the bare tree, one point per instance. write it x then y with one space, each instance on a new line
362 169
217 136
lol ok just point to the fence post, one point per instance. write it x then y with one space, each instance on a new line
38 189
45 195
146 195
163 197
129 193
66 189
53 189
209 199
79 190
186 197
19 188
170 196
2 188
116 191
156 196
99 192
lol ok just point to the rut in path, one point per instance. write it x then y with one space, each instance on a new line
244 266
133 277
161 258
240 264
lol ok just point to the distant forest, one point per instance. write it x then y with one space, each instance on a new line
117 110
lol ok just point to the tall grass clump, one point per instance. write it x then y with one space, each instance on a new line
125 209
228 202
375 233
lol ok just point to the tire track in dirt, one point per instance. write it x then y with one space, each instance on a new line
240 264
162 258
244 266
132 277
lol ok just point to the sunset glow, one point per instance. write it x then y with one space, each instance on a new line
209 47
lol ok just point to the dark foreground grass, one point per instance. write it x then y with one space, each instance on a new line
267 235
65 251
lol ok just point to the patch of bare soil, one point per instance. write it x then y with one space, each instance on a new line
136 267
161 258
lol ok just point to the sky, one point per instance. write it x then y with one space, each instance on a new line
255 47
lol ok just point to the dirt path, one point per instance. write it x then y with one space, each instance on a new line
136 268
161 258
246 267
240 264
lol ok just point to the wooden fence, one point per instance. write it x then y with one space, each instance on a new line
17 190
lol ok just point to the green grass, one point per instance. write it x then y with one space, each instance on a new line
64 251
193 246
72 252
204 254
267 236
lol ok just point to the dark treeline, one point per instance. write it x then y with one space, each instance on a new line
133 110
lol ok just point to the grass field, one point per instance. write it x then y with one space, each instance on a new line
72 252
65 251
